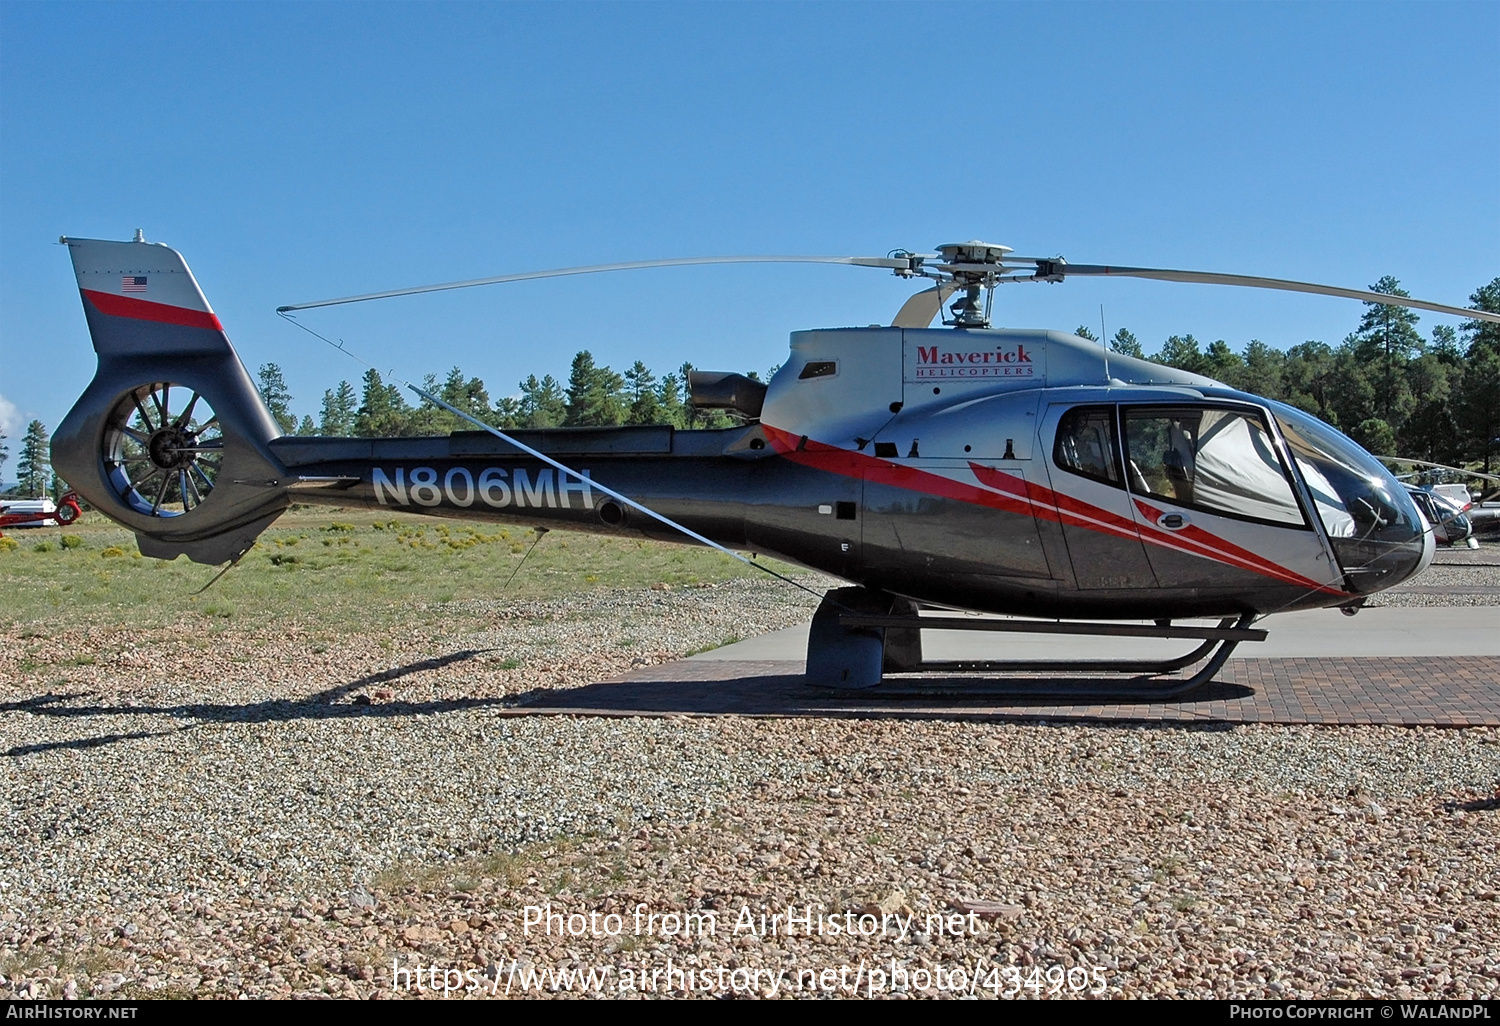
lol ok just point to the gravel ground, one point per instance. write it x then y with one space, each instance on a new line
1457 577
258 814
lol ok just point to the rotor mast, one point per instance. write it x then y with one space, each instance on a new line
968 268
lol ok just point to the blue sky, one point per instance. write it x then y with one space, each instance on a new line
300 151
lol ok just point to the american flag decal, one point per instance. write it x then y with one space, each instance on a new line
133 283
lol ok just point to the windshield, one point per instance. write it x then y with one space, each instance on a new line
1371 520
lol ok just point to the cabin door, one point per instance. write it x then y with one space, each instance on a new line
1088 493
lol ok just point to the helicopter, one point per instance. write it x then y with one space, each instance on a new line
955 469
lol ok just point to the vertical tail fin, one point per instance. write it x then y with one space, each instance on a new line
171 437
141 299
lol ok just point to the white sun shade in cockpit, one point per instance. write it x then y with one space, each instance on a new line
1238 470
1336 518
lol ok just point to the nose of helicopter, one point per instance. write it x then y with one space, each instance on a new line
1429 549
1397 546
1378 535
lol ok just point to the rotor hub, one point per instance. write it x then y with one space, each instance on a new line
973 252
973 266
170 448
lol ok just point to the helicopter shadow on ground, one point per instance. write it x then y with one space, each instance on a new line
770 690
327 704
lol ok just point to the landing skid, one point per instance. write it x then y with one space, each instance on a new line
858 636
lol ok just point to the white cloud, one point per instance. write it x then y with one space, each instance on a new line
10 420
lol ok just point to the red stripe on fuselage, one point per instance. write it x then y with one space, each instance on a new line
1192 537
1057 506
143 310
833 460
1015 495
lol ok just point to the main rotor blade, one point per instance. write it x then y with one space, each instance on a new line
1059 270
890 263
1439 466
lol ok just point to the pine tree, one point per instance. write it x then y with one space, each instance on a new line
33 461
307 427
1264 368
1353 396
542 403
1126 344
1484 333
669 401
1478 405
1084 332
691 415
428 418
4 450
1376 436
507 412
1445 345
339 409
1308 379
1223 364
277 398
595 394
1181 351
382 412
640 389
1429 431
468 395
1387 335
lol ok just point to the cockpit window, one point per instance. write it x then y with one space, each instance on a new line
1377 532
1356 496
1222 461
1086 444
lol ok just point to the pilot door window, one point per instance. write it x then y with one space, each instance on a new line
1086 444
1221 461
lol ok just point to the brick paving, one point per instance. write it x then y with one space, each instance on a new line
1406 691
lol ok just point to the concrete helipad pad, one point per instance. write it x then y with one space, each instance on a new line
1436 631
1425 666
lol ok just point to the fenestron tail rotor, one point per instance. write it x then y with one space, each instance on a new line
162 450
963 267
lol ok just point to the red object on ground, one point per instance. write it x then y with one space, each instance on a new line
66 512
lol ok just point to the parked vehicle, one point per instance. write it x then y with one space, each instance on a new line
39 512
1455 493
1450 524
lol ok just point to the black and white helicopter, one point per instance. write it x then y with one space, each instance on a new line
1007 471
